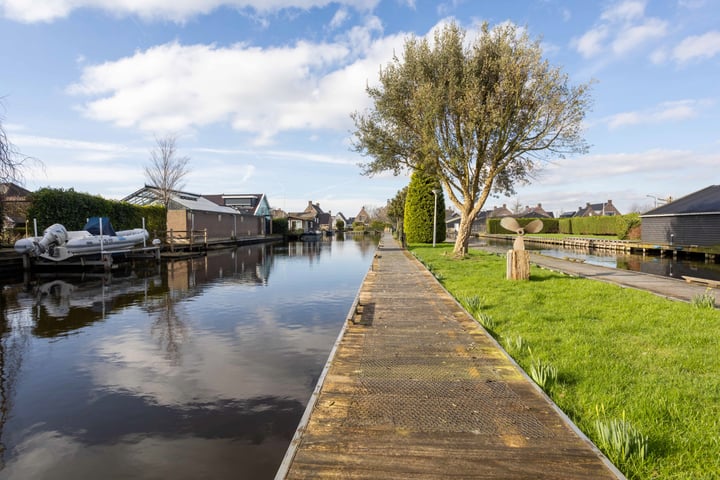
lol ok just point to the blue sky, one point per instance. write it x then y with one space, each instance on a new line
259 93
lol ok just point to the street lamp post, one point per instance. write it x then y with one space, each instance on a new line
435 192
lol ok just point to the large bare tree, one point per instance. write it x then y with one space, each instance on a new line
481 115
167 168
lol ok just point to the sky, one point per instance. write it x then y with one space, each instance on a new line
259 93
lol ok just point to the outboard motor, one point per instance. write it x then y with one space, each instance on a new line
54 235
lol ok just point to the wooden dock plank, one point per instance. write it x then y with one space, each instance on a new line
417 389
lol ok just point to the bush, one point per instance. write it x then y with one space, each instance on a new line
620 225
419 210
626 223
280 226
72 209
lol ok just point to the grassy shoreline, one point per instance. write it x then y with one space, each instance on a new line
620 354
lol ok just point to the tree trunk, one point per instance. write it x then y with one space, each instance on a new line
463 236
518 265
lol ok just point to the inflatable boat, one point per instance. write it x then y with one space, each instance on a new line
98 237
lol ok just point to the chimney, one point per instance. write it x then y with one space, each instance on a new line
609 202
539 205
587 204
309 203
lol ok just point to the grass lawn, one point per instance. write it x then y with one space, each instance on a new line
619 354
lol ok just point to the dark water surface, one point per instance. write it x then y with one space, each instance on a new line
196 369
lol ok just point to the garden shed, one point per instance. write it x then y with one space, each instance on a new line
693 220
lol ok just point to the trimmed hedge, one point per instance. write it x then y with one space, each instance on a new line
618 225
72 209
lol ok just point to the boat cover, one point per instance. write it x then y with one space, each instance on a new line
93 226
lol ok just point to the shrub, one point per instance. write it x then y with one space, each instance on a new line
419 210
280 226
626 223
72 209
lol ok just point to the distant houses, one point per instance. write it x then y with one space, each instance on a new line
362 217
309 220
15 203
594 210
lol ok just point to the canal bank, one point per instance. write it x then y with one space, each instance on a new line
673 288
416 388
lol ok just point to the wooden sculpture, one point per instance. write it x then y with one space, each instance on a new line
518 259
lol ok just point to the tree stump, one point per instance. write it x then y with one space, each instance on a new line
518 265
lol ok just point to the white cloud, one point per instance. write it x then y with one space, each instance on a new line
262 91
339 18
178 11
632 37
698 47
106 150
624 11
664 112
591 43
622 29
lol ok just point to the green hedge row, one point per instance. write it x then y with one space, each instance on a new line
72 209
550 225
589 225
619 225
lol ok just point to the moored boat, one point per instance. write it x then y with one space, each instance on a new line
97 237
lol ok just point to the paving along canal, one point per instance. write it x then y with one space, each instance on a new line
666 266
197 369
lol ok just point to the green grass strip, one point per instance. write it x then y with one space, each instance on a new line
628 363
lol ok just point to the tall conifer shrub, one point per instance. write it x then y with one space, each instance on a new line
419 206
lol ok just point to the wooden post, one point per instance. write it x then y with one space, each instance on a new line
518 265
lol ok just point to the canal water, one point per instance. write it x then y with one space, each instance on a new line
665 266
198 368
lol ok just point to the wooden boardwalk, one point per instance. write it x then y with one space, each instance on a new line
415 388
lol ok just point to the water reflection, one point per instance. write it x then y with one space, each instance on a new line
200 369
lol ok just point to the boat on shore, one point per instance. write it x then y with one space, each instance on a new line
57 244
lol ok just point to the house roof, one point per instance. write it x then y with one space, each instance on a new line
199 203
706 200
12 190
243 202
535 212
148 195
